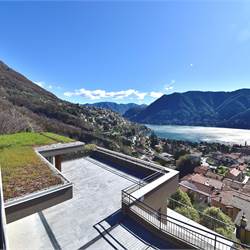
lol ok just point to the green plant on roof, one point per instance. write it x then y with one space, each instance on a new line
222 170
22 170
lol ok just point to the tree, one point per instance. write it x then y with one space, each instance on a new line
186 164
180 152
181 203
216 220
153 140
178 199
188 212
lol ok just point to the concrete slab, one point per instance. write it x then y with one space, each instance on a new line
69 225
122 232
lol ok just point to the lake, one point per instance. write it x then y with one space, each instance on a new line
198 134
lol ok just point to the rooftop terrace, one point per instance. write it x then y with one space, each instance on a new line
91 219
119 202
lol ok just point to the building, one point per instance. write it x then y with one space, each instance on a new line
202 187
235 174
235 204
201 169
108 201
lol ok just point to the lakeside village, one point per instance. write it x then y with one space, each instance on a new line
212 175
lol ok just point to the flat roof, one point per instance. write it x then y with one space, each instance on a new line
70 225
60 148
23 171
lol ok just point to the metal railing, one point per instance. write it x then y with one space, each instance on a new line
3 238
212 221
141 183
187 233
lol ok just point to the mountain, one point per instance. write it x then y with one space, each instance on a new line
24 106
116 107
222 109
132 112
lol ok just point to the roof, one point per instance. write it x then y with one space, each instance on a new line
242 167
235 199
23 171
201 169
60 148
232 183
213 175
196 187
198 178
235 172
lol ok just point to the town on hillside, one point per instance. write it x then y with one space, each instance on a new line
212 174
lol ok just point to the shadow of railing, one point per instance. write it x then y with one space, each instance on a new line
138 235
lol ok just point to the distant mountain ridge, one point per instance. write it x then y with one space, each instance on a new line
197 108
116 107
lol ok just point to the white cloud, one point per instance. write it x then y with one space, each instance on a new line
47 86
100 94
155 94
168 87
41 84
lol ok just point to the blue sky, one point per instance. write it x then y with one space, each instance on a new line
128 51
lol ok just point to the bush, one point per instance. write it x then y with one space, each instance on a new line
222 223
188 212
181 197
88 149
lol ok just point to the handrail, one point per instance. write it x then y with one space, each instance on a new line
143 182
202 213
212 236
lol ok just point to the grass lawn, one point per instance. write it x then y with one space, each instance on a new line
22 170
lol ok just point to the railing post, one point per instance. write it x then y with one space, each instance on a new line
215 240
160 221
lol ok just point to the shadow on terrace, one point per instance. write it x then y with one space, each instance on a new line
118 168
119 231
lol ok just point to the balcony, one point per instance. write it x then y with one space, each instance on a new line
119 202
93 217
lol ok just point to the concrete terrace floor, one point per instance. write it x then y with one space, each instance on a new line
90 220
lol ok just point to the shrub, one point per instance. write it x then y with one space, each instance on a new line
188 212
180 197
222 223
88 149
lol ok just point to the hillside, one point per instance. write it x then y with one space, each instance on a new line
24 106
116 107
132 112
223 109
